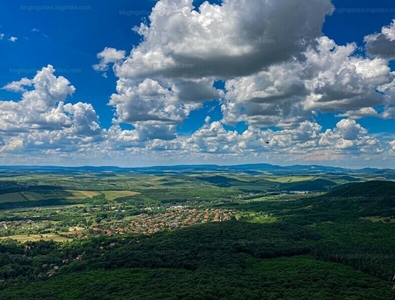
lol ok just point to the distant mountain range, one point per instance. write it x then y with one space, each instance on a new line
244 168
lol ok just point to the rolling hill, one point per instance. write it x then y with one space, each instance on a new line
382 189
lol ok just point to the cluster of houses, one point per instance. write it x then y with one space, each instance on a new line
176 217
146 223
23 225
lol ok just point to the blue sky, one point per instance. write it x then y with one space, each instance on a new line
202 82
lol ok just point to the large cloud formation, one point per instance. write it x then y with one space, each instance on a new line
278 70
185 51
239 37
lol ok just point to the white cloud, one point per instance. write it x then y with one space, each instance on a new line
1 36
151 105
13 144
349 129
307 142
41 120
389 113
350 138
13 39
330 79
18 86
222 40
360 113
107 56
84 119
38 31
146 101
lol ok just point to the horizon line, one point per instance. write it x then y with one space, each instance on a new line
190 165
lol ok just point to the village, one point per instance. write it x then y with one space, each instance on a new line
150 221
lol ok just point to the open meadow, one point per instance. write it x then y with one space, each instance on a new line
111 195
37 237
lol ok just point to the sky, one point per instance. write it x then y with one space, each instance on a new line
145 82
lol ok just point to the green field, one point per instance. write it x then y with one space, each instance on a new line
36 237
12 197
111 195
289 179
32 196
81 194
379 219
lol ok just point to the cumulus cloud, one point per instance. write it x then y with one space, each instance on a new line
41 120
147 101
212 143
307 141
152 105
350 138
238 37
198 90
83 118
107 56
382 44
329 79
13 39
13 144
